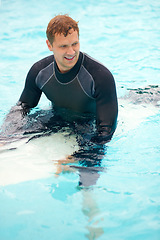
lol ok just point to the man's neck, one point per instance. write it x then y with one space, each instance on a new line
71 74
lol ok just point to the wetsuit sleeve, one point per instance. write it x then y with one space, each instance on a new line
31 93
106 106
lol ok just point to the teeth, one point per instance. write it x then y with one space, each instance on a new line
69 57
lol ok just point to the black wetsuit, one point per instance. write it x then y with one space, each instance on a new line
87 89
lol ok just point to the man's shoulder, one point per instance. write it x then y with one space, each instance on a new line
38 67
94 67
43 63
44 70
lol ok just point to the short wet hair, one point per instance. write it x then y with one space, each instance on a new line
61 24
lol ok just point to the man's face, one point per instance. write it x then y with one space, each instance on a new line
65 50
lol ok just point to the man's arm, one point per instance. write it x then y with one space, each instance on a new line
106 105
31 93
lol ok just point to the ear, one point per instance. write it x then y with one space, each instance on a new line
49 45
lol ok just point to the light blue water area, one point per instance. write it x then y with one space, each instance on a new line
124 204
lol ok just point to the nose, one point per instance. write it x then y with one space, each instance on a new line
70 50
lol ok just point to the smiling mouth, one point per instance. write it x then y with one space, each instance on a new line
69 58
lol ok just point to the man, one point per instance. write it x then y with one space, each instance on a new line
78 86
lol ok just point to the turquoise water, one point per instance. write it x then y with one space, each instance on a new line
124 204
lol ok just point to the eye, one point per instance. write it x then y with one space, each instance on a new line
74 44
63 46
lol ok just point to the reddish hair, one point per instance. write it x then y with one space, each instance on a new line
61 24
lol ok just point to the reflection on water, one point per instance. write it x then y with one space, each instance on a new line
91 210
89 206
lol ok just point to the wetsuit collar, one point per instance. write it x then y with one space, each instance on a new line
70 75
